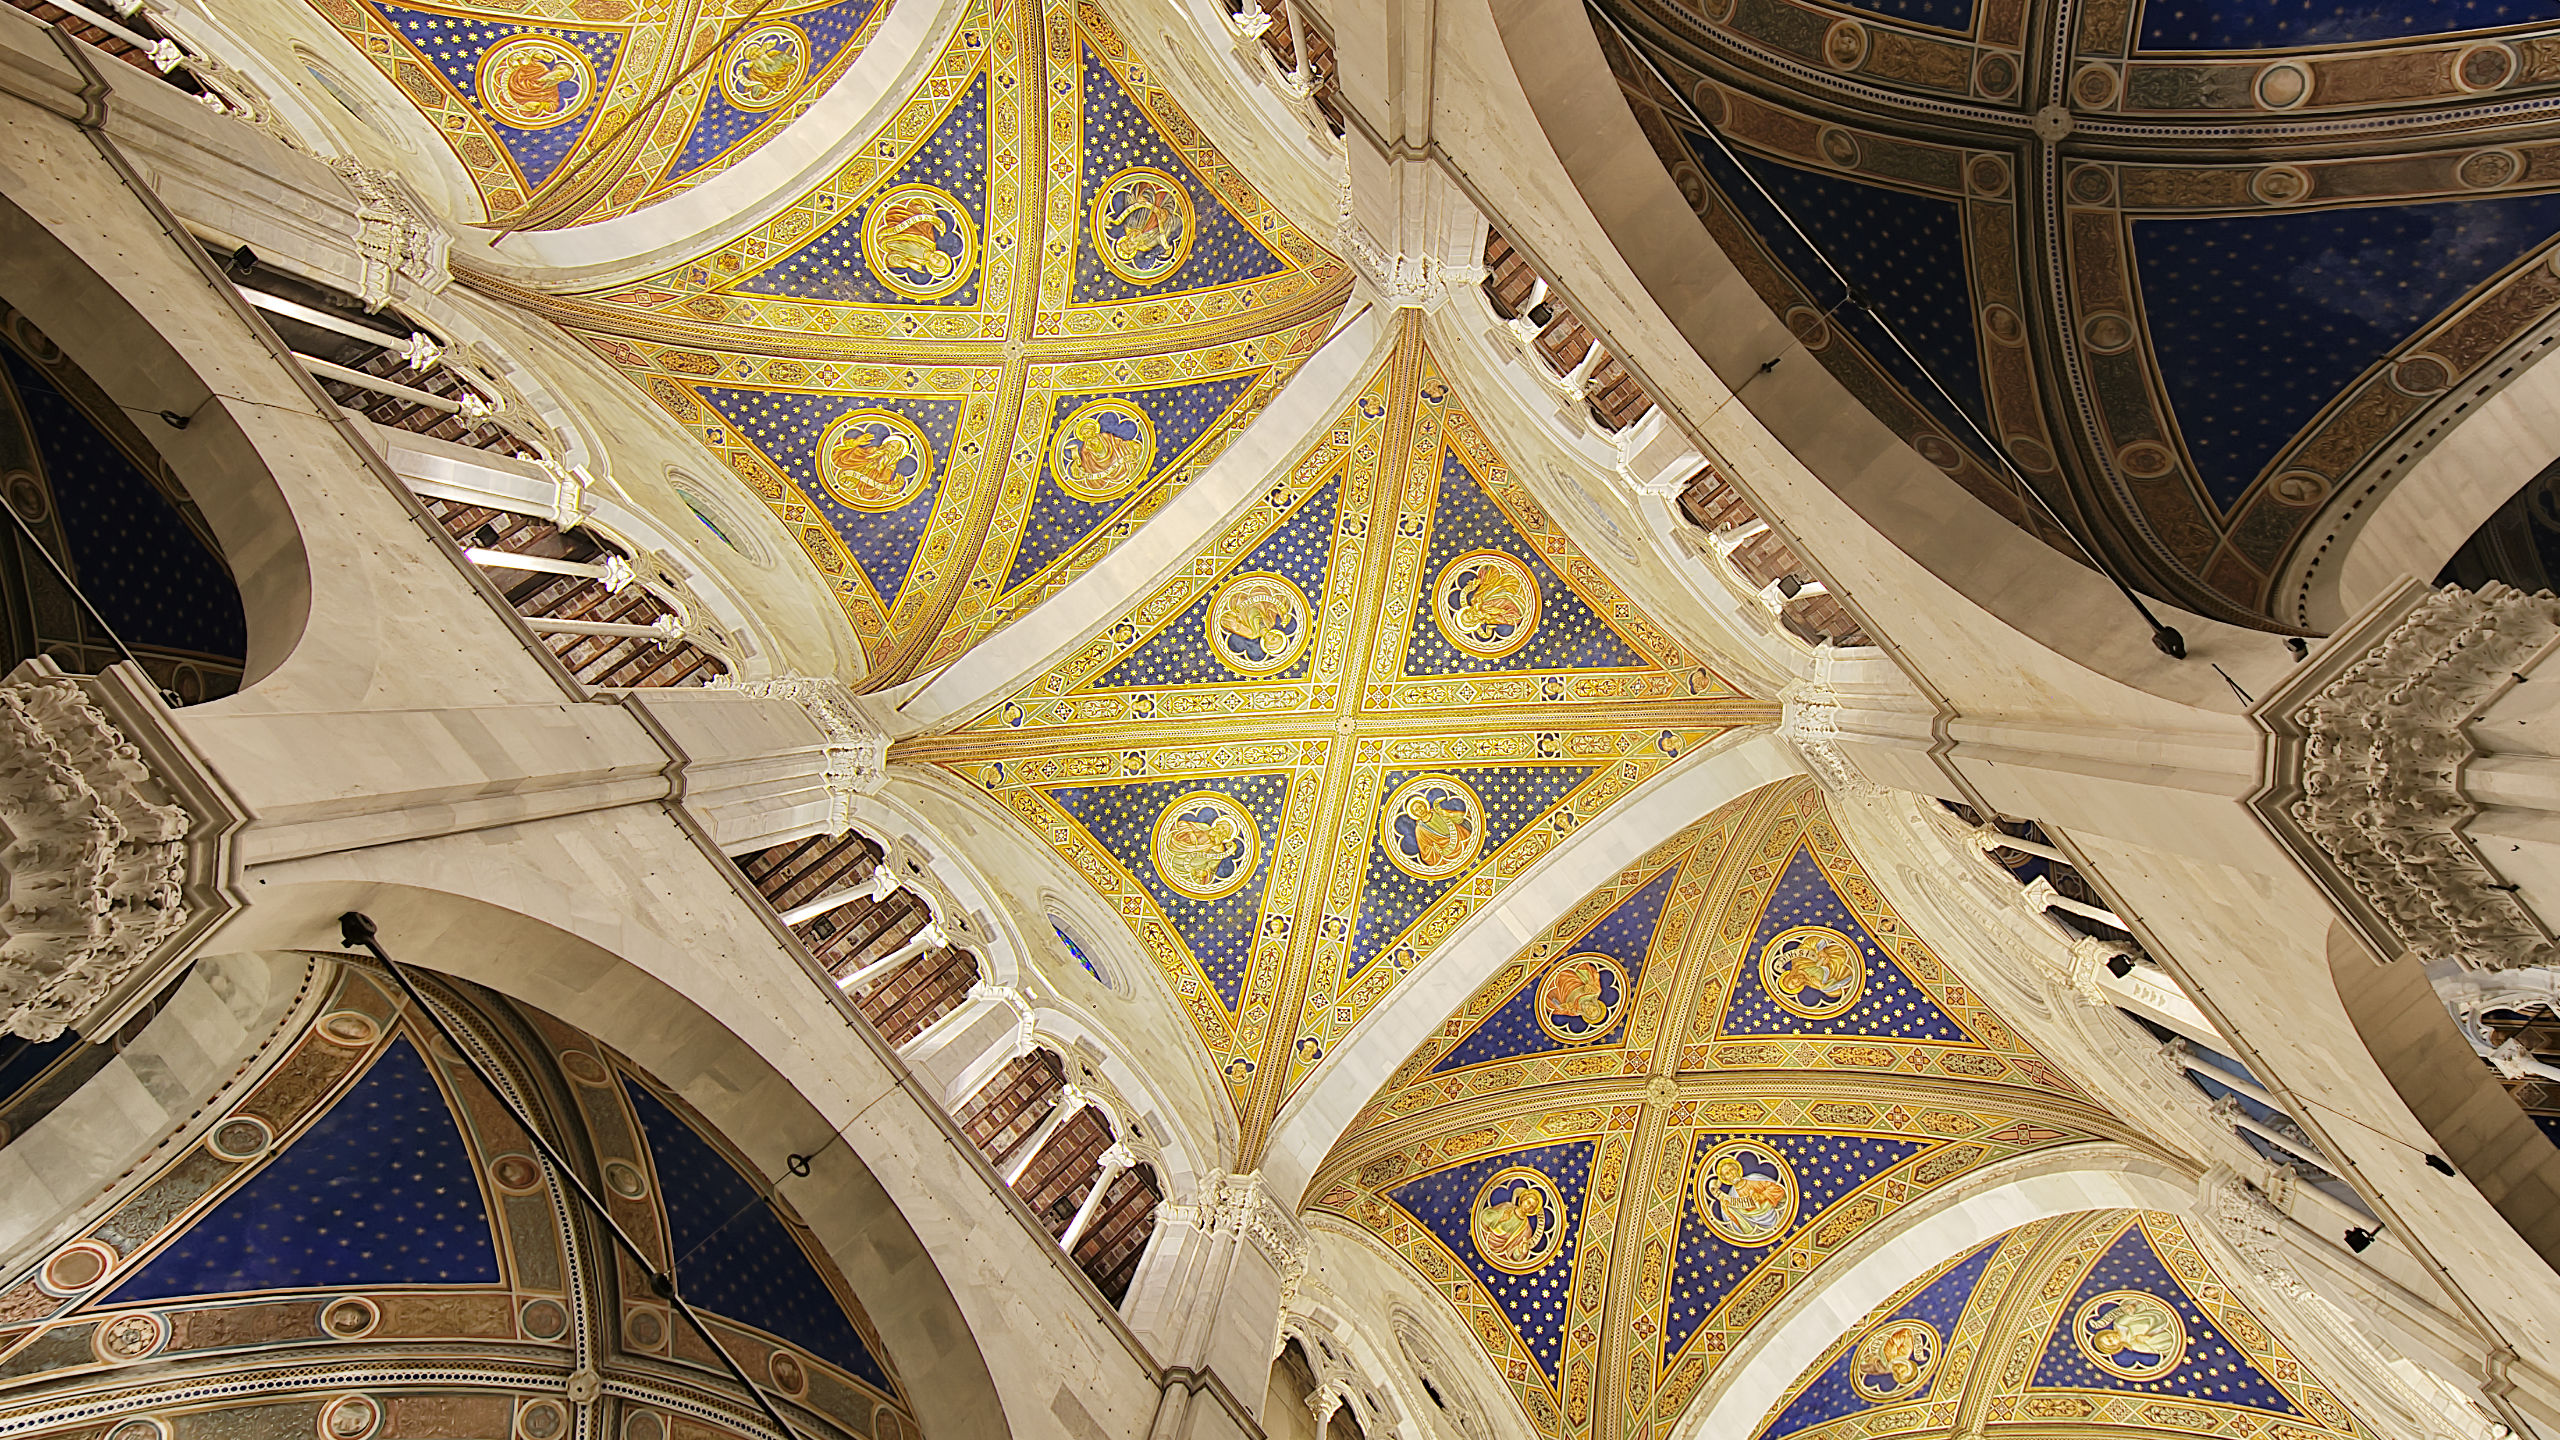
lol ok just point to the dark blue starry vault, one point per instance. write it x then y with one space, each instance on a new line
2213 1368
378 1191
788 428
2259 321
1219 933
1707 1268
1892 1006
1059 522
830 266
734 1256
1534 1303
1570 634
1118 135
1179 654
1939 1303
1625 935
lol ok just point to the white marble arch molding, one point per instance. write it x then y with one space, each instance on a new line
1689 789
1990 1202
899 1280
163 1087
85 264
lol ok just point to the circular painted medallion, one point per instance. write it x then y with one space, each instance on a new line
1893 1360
1433 826
1813 971
1486 603
1745 1192
533 82
765 66
1258 623
1581 997
919 242
1142 225
1517 1221
874 459
1103 450
2130 1334
1205 845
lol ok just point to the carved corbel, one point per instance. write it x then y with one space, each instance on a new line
117 844
857 749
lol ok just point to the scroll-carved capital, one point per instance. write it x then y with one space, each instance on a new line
107 856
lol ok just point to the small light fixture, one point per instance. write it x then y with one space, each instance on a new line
2439 1164
244 262
2119 965
2358 1237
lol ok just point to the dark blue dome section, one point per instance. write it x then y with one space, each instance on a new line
1905 252
379 1191
2288 24
733 1255
2258 321
135 559
1954 15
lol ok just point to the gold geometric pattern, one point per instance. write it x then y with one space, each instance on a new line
1021 119
1490 762
1858 1127
2010 1309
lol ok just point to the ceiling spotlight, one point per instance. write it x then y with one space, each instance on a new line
2119 965
2439 1164
2359 1237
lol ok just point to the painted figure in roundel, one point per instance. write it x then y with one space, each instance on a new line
1486 603
1893 1361
1813 971
2130 1334
1205 845
1433 826
1745 1192
764 66
1103 450
534 82
1517 1222
1142 225
874 459
1258 624
1581 997
918 241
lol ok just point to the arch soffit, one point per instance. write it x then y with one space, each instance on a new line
696 1053
124 327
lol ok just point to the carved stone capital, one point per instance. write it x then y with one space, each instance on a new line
398 238
112 844
2366 777
857 749
1809 719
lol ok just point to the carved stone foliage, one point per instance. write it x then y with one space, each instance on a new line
2378 783
401 242
857 762
94 856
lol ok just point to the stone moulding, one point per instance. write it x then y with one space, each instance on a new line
114 848
2361 773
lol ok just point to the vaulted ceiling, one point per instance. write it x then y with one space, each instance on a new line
2104 1322
979 354
1659 1119
566 112
2201 271
1378 695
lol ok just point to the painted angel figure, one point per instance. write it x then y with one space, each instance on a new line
1513 1229
910 236
1150 224
866 461
2139 1324
539 85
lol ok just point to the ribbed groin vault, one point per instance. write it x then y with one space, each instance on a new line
1271 720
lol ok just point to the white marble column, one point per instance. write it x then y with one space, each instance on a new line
1209 1294
1115 1162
